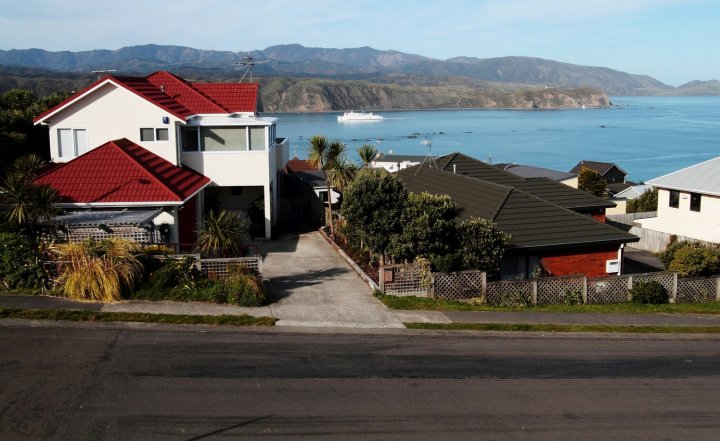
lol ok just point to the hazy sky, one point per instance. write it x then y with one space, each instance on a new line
672 40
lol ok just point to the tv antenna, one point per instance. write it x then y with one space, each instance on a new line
101 72
249 62
430 159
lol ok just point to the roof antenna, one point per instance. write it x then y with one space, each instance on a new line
430 159
249 62
100 72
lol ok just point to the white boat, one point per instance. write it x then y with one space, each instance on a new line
359 116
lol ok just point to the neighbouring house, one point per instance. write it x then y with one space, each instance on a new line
212 129
544 234
529 171
611 172
303 170
393 163
688 203
623 196
544 188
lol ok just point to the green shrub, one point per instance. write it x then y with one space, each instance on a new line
20 263
649 293
692 261
572 297
667 256
176 274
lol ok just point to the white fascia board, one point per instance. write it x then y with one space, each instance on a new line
118 204
225 119
74 100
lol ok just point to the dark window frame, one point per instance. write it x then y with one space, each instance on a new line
674 201
695 202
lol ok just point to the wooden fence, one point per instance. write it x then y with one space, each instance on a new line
472 286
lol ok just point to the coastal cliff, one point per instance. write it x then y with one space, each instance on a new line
314 95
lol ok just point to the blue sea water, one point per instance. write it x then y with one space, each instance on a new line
646 136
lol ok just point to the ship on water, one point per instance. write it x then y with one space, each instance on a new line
359 116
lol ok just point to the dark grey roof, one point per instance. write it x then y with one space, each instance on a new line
533 223
552 191
107 217
617 187
401 158
314 178
600 167
529 171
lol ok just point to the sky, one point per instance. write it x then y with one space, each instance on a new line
673 41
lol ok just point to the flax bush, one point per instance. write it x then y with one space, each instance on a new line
97 270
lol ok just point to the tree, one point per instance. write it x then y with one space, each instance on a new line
373 204
367 153
24 202
590 181
327 156
482 245
647 201
429 229
222 235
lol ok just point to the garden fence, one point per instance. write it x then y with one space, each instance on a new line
472 286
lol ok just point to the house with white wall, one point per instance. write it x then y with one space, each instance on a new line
213 129
688 202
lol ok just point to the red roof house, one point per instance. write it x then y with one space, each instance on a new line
166 128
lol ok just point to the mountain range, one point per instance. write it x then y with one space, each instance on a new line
468 81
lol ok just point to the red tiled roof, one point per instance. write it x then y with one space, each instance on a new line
179 97
296 165
121 171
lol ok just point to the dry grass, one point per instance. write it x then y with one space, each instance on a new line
98 271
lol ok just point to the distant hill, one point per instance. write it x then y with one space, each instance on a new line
356 63
711 87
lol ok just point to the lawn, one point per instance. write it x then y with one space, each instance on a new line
427 304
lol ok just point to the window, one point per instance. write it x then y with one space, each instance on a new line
72 142
224 139
695 199
257 138
674 198
190 139
162 134
147 134
236 191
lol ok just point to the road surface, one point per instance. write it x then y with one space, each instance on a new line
96 382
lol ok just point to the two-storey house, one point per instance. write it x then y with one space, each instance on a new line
213 129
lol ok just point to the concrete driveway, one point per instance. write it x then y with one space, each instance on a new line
309 284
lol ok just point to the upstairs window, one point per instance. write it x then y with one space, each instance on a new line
223 139
147 134
695 199
72 142
150 134
674 198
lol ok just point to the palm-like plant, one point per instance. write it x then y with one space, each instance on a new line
327 156
368 153
222 235
99 271
25 202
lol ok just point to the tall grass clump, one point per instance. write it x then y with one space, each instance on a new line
97 270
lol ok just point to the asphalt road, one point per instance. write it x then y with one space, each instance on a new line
96 382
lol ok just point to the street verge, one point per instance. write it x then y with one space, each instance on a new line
544 327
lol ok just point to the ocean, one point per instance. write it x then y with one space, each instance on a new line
646 136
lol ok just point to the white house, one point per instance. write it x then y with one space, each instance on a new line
211 128
394 163
688 202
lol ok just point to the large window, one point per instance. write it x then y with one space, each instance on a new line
223 139
72 142
695 199
674 198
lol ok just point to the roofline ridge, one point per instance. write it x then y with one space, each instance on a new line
189 86
155 178
682 169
